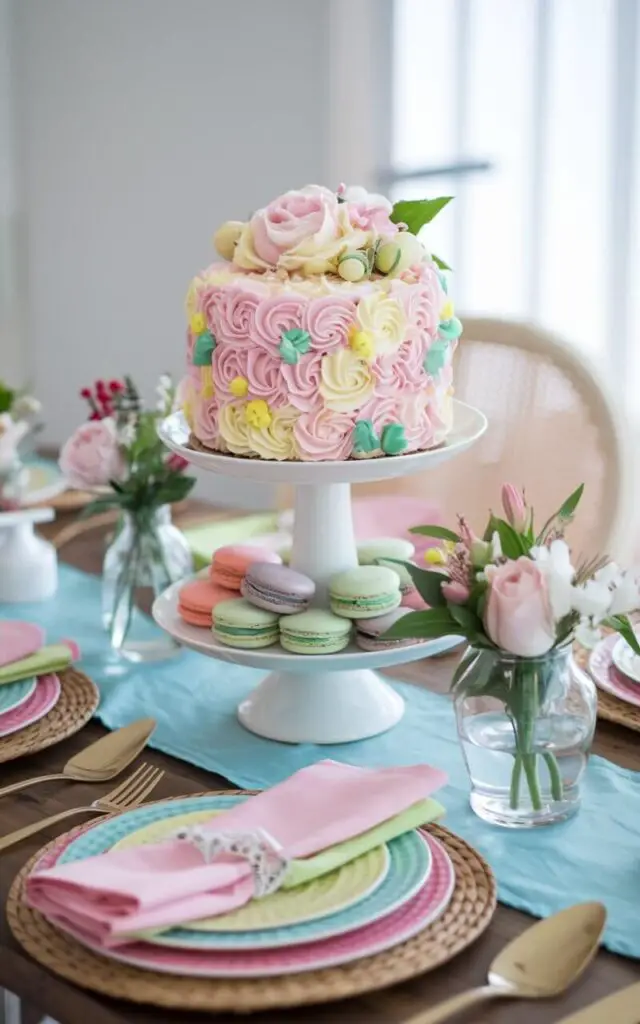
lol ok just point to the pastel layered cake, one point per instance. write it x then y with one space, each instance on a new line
326 334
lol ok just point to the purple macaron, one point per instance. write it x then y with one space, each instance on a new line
370 632
277 588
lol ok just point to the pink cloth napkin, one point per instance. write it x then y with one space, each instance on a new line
164 884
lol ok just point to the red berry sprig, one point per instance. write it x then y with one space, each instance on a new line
100 398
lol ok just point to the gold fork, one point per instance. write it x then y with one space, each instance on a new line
129 793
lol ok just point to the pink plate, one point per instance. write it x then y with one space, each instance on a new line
44 697
608 677
418 912
18 640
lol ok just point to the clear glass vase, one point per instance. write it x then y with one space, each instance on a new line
146 555
526 726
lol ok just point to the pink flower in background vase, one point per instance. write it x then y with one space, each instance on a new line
518 616
515 508
91 457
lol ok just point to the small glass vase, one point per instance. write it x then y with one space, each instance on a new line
526 726
146 555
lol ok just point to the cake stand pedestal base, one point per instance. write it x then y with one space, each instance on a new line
321 706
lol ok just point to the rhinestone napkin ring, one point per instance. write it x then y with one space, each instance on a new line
262 852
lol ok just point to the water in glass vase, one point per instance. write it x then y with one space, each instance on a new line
146 555
525 739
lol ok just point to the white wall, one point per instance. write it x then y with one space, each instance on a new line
143 125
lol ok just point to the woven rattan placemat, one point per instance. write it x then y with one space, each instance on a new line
78 701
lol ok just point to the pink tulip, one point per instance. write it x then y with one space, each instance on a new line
176 462
515 508
456 593
518 616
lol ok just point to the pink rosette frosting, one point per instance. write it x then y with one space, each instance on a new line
422 301
264 373
402 372
328 319
324 435
231 314
228 362
275 315
302 381
205 421
409 411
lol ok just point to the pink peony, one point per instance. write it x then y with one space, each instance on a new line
518 616
91 457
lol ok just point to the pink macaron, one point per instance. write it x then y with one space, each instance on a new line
197 601
230 563
370 632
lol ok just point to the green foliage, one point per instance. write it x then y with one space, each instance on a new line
427 583
427 625
439 532
415 213
623 626
7 397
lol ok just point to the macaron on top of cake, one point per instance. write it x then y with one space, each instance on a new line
315 631
277 588
240 624
198 598
230 563
385 547
364 592
370 632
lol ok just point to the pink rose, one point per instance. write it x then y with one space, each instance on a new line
228 363
402 372
91 457
328 319
275 315
369 211
265 377
231 314
299 228
302 380
518 616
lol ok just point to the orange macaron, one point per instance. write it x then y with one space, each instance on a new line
230 563
198 599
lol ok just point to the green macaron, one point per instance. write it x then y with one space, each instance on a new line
364 592
240 624
370 551
314 632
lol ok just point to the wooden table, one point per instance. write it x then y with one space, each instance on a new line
70 1005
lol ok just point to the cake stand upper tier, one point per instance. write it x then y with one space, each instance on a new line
342 699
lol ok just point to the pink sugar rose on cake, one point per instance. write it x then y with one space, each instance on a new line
229 363
402 371
369 211
264 374
302 381
91 457
274 315
328 319
231 314
322 434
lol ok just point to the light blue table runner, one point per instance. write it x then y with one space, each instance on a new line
596 856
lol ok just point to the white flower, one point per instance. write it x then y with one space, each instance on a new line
610 575
592 600
555 563
25 407
587 634
359 194
626 595
11 434
496 547
127 433
164 391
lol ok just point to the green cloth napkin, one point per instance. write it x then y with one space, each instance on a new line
53 658
301 871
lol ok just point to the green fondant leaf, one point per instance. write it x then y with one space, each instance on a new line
440 264
393 439
415 213
436 357
204 349
293 344
365 438
450 329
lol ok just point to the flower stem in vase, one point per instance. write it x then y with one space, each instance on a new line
554 775
516 775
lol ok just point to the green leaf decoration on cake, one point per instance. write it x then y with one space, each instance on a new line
203 349
393 439
440 264
293 344
365 437
415 213
450 329
436 357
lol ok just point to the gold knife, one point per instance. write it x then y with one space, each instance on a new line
622 1007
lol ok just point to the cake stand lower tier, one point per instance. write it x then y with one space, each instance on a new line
318 698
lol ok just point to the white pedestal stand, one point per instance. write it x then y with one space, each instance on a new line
334 698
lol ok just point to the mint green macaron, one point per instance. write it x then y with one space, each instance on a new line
314 632
364 592
370 551
240 624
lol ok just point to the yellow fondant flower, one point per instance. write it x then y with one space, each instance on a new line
382 317
346 380
233 427
276 441
258 414
447 311
198 323
239 387
361 342
208 387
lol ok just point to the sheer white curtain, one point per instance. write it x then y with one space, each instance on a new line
544 91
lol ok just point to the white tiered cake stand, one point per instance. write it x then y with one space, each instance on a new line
331 698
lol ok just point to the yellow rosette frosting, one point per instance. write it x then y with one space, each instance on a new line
346 382
234 429
276 441
382 317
